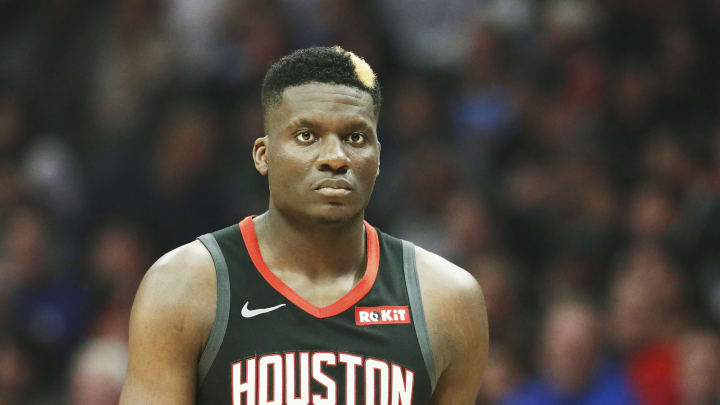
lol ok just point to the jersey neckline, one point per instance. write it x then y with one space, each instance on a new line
247 228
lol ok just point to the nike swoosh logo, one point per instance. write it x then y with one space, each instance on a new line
249 313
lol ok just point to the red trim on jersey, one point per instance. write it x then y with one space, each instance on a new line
247 227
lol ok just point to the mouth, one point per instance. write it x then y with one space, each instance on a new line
333 192
333 187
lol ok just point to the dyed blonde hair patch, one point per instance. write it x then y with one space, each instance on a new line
363 71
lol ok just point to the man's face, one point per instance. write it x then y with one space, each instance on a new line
320 153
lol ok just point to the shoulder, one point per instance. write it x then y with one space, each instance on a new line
170 322
181 273
444 277
179 291
448 289
454 309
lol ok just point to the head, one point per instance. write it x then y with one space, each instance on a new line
502 375
17 374
97 373
119 256
320 149
646 298
699 367
570 348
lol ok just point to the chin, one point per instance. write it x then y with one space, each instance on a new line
335 215
328 220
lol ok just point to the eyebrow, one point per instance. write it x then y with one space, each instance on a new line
355 124
301 122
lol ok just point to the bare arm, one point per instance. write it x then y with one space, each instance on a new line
457 324
171 318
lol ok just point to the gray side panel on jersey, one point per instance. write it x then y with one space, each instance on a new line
222 312
416 309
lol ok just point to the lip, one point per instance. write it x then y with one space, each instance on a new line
333 192
333 187
335 184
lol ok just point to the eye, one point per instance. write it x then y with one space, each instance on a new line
356 138
305 136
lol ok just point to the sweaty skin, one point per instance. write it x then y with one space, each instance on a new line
321 156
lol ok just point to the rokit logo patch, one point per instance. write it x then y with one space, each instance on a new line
381 315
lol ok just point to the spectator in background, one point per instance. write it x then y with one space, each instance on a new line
469 225
188 23
134 61
98 372
579 131
13 128
50 173
427 34
484 109
118 259
699 368
650 214
501 287
502 375
647 313
429 192
181 176
46 307
17 373
572 366
253 35
414 118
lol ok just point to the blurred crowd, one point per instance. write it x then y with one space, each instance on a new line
565 152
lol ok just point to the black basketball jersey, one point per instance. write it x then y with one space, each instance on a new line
268 345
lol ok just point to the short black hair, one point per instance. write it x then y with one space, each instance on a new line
323 65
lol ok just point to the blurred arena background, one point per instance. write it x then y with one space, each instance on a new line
567 153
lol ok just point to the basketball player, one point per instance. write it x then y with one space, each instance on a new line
308 303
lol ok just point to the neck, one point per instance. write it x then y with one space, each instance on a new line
315 249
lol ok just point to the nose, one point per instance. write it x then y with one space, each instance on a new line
332 156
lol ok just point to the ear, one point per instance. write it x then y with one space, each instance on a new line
260 155
379 150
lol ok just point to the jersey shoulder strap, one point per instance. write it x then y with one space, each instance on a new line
416 309
399 253
222 308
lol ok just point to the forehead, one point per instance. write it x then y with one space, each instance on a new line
322 101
